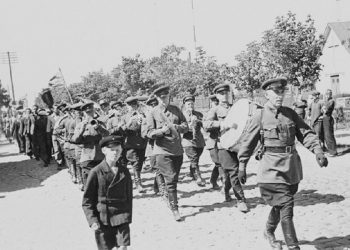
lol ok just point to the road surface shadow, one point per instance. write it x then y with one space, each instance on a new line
310 197
343 149
7 154
334 243
24 174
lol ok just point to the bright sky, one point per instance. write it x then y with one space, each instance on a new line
81 36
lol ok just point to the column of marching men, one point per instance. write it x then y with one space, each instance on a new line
97 146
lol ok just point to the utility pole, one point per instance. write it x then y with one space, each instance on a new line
9 58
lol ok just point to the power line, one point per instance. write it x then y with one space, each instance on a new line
10 58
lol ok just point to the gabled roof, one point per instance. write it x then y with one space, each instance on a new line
342 30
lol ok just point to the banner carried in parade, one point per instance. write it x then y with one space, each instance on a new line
56 80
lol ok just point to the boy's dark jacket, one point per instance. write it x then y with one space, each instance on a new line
108 197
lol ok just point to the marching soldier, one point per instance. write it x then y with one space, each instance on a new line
164 124
135 144
7 126
228 159
78 116
115 121
58 134
88 133
107 200
280 170
27 127
17 128
213 149
193 141
159 182
105 111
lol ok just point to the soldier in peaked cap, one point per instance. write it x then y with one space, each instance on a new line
107 200
88 133
105 110
228 159
213 150
164 124
159 182
193 141
135 144
280 170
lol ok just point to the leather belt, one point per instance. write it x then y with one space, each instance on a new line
286 149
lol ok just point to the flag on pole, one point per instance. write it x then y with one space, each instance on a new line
56 80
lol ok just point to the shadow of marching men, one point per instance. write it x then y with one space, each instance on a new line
333 243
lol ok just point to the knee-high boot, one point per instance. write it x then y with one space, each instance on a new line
137 179
172 197
271 225
199 180
290 235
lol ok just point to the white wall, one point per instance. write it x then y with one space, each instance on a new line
336 60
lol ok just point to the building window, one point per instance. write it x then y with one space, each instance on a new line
335 84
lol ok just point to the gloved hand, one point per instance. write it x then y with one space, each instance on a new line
321 160
242 176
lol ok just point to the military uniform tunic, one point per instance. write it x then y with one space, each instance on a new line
280 130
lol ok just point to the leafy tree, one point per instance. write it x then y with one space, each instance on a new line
4 97
291 48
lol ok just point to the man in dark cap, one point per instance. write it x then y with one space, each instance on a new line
115 122
316 116
280 170
228 159
58 134
164 124
193 141
213 149
75 149
88 133
107 200
135 144
105 110
17 128
159 182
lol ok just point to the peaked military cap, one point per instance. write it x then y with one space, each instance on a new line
188 98
103 102
160 90
61 105
116 103
111 140
300 105
131 99
151 99
316 93
86 105
213 97
280 80
143 98
221 87
76 106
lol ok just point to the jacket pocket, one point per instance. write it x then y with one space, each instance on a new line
271 133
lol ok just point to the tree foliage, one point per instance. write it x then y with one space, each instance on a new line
4 97
291 49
